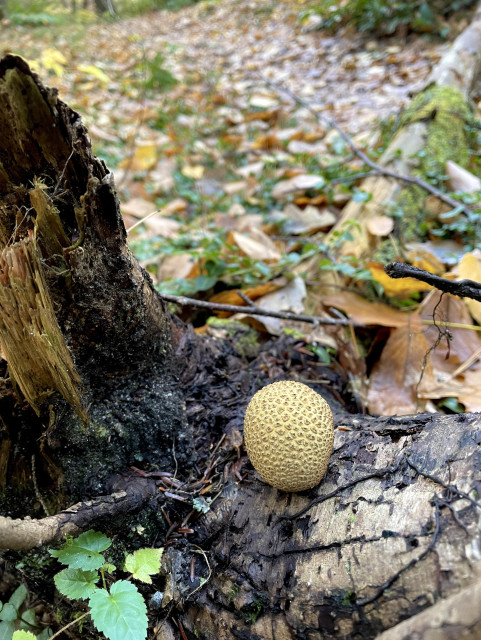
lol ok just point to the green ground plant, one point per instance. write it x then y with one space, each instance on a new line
117 608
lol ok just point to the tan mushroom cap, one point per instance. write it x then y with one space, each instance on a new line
289 435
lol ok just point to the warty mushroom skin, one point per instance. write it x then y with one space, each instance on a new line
289 435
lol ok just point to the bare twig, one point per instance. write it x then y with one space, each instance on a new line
462 288
254 311
331 123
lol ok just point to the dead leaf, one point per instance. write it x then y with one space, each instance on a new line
400 287
308 220
460 179
137 207
193 171
365 313
298 183
144 158
257 245
175 266
470 268
393 380
380 225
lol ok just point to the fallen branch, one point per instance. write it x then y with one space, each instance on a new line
462 288
254 311
377 168
27 533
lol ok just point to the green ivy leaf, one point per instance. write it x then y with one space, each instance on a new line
144 563
23 635
83 552
18 596
120 615
76 583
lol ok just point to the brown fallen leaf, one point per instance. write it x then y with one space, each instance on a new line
308 220
301 182
380 225
257 245
460 179
365 313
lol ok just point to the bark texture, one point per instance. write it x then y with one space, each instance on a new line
362 558
86 337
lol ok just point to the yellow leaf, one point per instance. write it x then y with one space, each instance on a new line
144 158
53 60
92 70
193 171
470 268
396 287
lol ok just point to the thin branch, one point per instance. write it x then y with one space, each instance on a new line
30 533
462 288
254 311
331 123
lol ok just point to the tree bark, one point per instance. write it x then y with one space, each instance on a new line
86 338
366 555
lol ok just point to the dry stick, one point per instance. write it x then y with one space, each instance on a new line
462 288
331 123
253 311
287 315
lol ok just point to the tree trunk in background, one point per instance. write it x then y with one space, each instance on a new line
86 338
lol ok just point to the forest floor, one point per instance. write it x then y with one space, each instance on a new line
182 108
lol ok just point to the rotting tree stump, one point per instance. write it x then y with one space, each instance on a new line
86 337
391 531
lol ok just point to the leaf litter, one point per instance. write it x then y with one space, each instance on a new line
247 182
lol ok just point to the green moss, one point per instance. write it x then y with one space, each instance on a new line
446 114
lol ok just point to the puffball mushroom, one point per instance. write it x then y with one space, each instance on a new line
289 435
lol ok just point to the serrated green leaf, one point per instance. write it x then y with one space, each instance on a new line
8 612
76 583
18 596
23 635
120 615
84 551
144 563
6 630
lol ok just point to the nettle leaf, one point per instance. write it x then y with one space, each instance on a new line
120 615
84 551
144 563
76 583
23 635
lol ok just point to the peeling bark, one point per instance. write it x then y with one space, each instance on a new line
379 551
